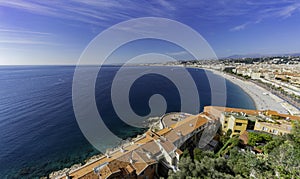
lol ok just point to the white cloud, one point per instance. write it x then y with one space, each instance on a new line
239 27
288 11
26 42
273 9
25 37
23 31
167 5
92 12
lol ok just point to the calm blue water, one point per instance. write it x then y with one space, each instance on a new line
38 128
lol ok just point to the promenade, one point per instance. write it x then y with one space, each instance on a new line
263 99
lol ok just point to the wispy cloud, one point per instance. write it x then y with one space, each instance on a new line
99 12
29 6
268 10
25 37
26 42
167 5
289 10
92 12
239 27
23 31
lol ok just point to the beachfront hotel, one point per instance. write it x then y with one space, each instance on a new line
157 151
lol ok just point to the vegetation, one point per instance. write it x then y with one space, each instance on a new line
254 138
230 144
281 159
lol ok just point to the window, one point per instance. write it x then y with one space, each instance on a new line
275 131
265 129
225 122
238 124
237 131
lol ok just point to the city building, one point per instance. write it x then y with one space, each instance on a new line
237 120
241 120
152 154
156 152
280 127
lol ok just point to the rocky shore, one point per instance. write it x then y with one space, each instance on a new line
153 123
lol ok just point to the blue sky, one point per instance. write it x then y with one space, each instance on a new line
56 32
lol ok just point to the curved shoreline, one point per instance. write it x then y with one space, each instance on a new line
232 79
245 91
263 99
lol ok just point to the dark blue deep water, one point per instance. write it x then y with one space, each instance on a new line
38 129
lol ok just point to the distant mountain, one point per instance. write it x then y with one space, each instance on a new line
246 56
293 54
257 55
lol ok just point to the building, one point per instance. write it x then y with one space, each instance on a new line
156 152
240 120
237 120
236 123
145 157
280 127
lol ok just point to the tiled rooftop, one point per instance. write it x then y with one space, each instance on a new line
142 152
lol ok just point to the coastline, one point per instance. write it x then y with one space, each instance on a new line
263 99
256 93
151 123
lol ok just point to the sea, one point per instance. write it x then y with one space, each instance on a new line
38 129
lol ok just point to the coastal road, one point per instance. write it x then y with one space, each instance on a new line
263 98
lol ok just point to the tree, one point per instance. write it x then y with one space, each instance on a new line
226 137
204 165
198 154
255 137
281 159
296 132
277 141
185 153
285 158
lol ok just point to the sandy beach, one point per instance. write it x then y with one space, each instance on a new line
263 98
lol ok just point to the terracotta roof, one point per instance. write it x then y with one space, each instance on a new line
143 152
151 147
167 145
217 110
189 125
173 135
130 168
138 163
178 151
163 131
